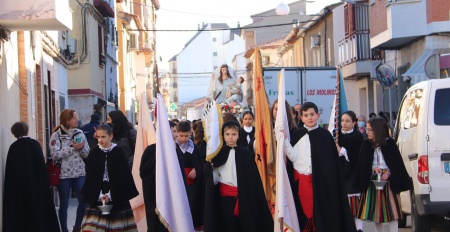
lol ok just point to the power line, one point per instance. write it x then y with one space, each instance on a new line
224 29
191 13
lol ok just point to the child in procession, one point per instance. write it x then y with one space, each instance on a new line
318 173
235 199
147 172
380 158
247 131
108 181
193 170
348 143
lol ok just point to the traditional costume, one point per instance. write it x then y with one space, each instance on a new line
246 136
107 172
319 181
381 206
350 143
235 199
27 198
147 171
195 188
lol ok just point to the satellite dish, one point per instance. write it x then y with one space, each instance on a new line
430 67
385 75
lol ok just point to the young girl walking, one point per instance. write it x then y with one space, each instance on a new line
108 180
380 158
247 131
235 199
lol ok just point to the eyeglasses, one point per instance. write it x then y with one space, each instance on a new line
369 129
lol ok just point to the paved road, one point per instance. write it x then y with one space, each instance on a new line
439 225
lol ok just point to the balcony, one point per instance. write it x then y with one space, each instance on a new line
104 8
355 55
16 15
406 22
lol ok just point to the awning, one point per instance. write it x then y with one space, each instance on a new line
416 73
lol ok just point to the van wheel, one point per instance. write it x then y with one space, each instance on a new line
402 222
419 223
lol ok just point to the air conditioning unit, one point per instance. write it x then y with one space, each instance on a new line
134 42
315 41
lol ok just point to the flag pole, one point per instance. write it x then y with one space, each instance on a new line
281 224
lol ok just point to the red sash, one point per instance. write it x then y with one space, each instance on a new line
189 181
230 191
305 193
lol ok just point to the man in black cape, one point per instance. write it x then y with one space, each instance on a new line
27 199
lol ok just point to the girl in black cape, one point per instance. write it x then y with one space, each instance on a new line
247 131
380 158
109 180
244 206
348 144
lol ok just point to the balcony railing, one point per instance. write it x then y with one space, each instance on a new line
354 48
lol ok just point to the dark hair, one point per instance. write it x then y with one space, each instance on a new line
19 129
220 72
106 128
176 121
95 118
227 116
199 134
352 116
65 116
230 125
372 114
184 126
121 126
380 131
308 105
291 120
172 124
248 112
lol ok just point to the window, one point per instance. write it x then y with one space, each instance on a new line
214 39
214 53
409 112
442 107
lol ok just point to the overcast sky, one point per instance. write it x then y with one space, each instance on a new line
186 15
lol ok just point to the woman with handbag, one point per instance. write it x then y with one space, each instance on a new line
69 145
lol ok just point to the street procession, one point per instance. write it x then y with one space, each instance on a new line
236 116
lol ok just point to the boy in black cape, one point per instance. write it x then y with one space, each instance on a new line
147 171
191 165
319 177
27 198
229 207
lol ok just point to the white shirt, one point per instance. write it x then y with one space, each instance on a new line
300 154
226 173
248 130
343 151
378 160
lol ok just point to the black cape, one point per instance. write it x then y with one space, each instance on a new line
120 178
399 178
254 213
196 191
243 137
27 197
352 143
147 171
331 210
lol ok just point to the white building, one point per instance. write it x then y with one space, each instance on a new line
205 52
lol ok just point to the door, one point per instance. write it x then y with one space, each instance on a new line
439 140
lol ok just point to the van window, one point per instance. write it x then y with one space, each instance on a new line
409 113
442 107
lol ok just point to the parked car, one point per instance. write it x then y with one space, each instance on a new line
422 133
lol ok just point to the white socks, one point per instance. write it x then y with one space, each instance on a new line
393 226
359 224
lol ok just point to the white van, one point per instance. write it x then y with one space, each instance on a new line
422 132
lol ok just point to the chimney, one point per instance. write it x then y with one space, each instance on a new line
238 25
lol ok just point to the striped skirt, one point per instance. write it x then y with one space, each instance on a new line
354 201
118 220
379 206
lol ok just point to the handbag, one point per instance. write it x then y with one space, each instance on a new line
53 171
